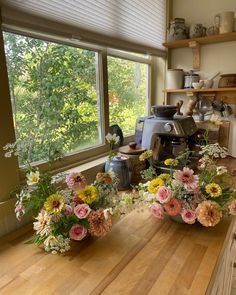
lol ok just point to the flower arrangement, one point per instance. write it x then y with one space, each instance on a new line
112 139
205 196
65 214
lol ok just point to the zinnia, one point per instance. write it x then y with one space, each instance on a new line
82 211
54 203
188 216
164 194
173 207
213 189
157 210
77 232
208 213
88 194
155 184
99 224
104 177
75 181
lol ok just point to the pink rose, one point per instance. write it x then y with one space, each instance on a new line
164 194
68 210
82 210
77 232
157 210
232 207
188 216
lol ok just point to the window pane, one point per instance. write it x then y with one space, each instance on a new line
127 84
54 95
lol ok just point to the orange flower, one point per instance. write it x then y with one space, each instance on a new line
173 207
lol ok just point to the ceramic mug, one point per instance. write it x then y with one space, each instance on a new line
197 30
225 21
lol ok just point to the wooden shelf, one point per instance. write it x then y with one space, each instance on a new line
202 40
187 90
195 45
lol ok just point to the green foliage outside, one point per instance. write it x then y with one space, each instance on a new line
55 98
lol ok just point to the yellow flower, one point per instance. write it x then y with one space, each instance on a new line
164 176
213 189
54 203
171 162
154 185
88 194
145 155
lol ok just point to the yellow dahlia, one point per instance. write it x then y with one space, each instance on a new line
88 194
213 189
155 184
54 203
145 155
208 213
171 162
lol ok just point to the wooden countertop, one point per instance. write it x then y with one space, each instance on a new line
141 255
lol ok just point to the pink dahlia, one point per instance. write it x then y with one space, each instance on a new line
192 188
77 232
100 224
82 211
75 181
164 194
157 210
188 216
185 176
232 207
173 207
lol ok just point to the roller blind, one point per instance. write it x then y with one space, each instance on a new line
136 22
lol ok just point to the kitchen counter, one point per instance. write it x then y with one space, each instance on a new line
140 256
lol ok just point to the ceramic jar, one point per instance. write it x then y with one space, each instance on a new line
174 79
177 30
120 166
225 21
197 30
189 78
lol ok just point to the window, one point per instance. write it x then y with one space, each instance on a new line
55 96
128 92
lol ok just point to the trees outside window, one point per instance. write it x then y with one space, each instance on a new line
55 96
127 86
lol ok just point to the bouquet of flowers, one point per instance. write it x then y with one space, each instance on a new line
204 196
65 214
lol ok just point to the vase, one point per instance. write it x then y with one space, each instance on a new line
177 218
120 166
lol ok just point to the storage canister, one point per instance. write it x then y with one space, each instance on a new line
174 79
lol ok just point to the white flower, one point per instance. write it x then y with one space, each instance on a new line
32 177
51 241
215 119
112 138
106 212
221 170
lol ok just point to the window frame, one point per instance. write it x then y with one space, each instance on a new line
79 157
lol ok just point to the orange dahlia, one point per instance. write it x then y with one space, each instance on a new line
173 207
208 213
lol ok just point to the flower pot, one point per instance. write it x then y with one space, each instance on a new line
177 218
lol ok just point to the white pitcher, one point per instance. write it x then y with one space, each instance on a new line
225 21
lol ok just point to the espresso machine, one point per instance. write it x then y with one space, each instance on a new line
166 134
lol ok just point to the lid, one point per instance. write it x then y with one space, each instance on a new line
127 150
191 73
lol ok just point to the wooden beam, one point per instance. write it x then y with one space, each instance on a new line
196 54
